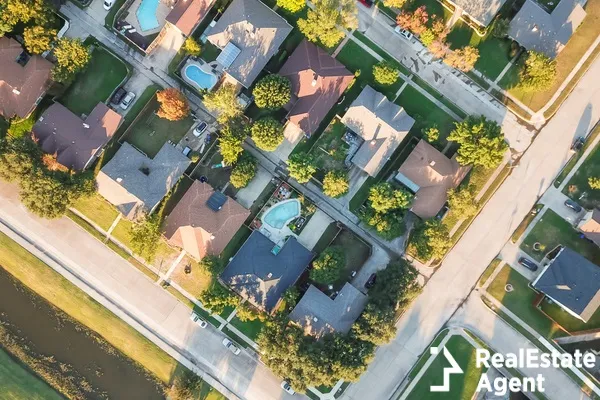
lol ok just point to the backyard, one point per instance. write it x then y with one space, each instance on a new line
578 187
551 231
356 251
96 83
330 150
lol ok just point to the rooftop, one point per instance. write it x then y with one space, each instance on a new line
186 14
590 226
481 11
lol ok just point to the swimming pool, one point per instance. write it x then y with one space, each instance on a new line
203 80
146 15
282 213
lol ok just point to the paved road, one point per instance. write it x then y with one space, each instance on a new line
152 306
484 239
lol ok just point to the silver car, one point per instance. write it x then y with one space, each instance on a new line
127 100
232 347
198 321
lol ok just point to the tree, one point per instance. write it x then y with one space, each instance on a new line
463 59
292 6
384 73
431 133
212 264
38 39
500 29
14 11
302 166
246 313
538 72
335 183
267 133
224 102
243 172
72 56
394 3
414 21
185 387
192 47
594 182
272 92
321 23
231 138
145 236
376 325
291 297
438 49
216 298
388 225
431 240
173 104
383 197
481 142
328 267
427 37
462 201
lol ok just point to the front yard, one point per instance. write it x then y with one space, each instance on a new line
578 188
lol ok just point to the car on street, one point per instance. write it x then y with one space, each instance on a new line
573 206
198 320
527 263
232 347
200 128
127 100
118 96
371 281
578 143
367 3
286 386
403 32
108 4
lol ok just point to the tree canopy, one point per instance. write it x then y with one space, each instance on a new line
414 21
394 3
301 166
481 142
320 24
231 137
463 59
462 201
292 6
431 240
224 102
327 268
272 92
173 104
383 197
145 236
216 298
72 56
243 172
13 12
389 225
38 39
267 133
192 47
594 182
538 72
384 73
335 183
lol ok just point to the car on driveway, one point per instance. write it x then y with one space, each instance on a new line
198 321
108 4
403 32
573 206
118 96
127 100
286 386
527 263
371 281
232 347
200 128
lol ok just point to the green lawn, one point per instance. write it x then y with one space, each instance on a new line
552 230
356 252
567 321
98 210
425 355
330 150
94 85
520 301
462 386
573 160
17 382
248 328
525 223
489 271
578 188
150 132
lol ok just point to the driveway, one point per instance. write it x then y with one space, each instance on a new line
96 10
555 200
511 253
246 196
166 49
314 229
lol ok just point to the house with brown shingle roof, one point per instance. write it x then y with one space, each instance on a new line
23 79
590 226
429 175
75 142
204 221
381 124
318 80
186 15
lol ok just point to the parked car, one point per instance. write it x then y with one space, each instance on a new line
232 347
578 143
367 3
200 128
127 100
573 206
198 321
403 33
108 4
527 263
118 96
371 281
286 386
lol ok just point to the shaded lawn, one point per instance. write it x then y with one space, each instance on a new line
356 251
328 235
432 6
567 321
96 83
462 386
97 209
520 300
248 328
578 187
552 230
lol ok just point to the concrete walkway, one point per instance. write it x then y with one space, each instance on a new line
314 229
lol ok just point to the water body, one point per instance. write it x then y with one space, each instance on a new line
82 353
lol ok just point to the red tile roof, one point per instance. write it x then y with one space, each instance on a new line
186 14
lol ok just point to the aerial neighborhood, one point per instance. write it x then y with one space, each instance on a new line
271 199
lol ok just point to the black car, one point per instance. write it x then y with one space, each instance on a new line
371 281
578 143
118 96
527 263
573 206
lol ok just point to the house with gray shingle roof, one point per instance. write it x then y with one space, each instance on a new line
482 12
135 183
536 29
319 315
250 33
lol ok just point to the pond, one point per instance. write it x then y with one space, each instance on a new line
72 354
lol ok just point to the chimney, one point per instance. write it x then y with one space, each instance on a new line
534 29
86 126
373 142
269 275
316 319
313 83
431 163
119 180
16 91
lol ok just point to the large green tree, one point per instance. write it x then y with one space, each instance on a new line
302 166
145 236
321 23
231 137
72 56
243 172
431 240
335 183
292 6
538 72
462 202
38 39
481 142
383 197
267 133
216 298
272 92
223 101
389 225
327 268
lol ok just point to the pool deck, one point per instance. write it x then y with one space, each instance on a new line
278 235
161 15
203 67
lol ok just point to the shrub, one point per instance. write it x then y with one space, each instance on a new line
243 172
335 183
327 268
385 74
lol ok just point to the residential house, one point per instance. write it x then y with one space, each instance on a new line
537 29
261 271
136 184
590 226
429 175
380 126
319 315
186 15
249 33
318 80
24 79
573 282
204 221
75 141
480 12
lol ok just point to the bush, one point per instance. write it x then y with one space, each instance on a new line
191 46
431 133
335 184
594 182
328 267
243 172
272 92
384 73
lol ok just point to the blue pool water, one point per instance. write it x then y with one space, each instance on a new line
203 79
146 14
279 214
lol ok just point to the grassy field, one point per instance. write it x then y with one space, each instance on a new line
567 321
552 230
578 188
96 83
462 386
17 382
489 271
525 223
150 132
97 209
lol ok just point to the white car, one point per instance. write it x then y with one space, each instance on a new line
403 32
127 100
198 321
108 4
200 128
286 386
232 347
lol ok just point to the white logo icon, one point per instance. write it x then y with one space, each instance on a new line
453 369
